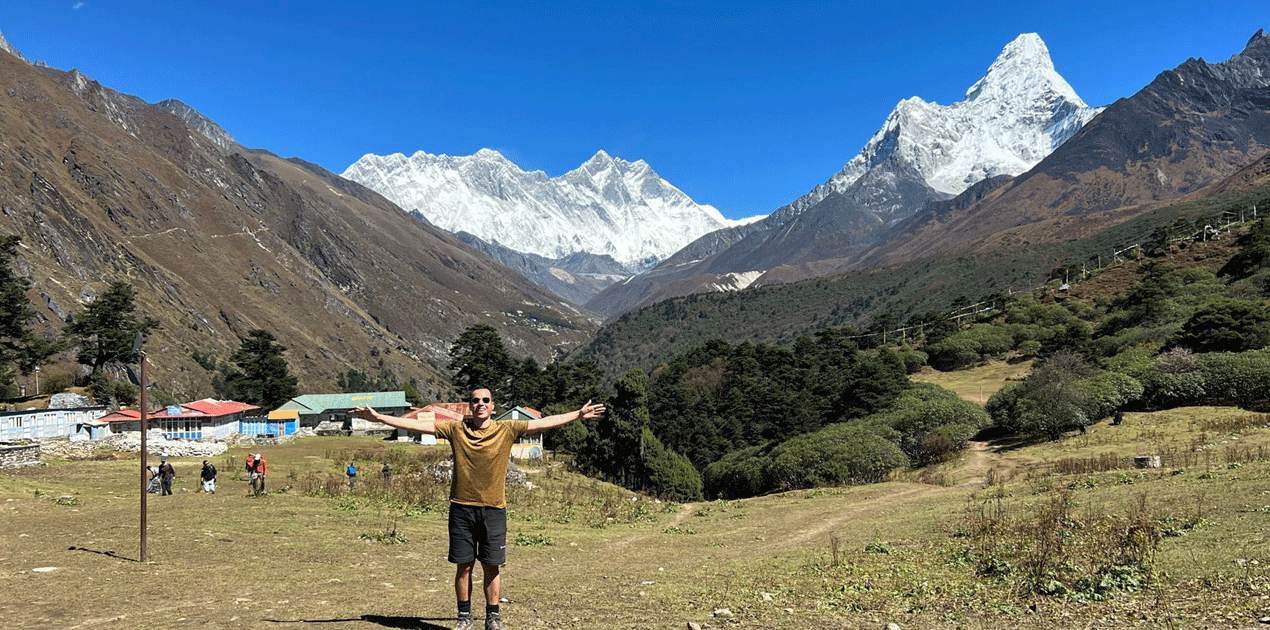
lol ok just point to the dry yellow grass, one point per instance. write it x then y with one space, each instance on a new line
595 556
977 384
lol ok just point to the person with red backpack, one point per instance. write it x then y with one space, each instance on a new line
256 470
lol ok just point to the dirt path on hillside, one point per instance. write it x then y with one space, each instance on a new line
983 466
980 466
863 510
685 511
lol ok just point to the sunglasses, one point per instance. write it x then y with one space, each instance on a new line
480 400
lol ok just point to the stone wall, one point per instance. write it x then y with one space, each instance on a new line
16 455
130 442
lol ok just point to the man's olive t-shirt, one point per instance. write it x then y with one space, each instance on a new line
480 460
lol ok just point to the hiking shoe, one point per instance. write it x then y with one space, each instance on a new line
494 622
464 623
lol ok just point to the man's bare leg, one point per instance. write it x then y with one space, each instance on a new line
463 581
493 582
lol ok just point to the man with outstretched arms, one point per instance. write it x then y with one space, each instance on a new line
478 503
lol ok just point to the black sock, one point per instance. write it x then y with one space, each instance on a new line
465 608
491 609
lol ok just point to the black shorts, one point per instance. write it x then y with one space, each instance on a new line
478 533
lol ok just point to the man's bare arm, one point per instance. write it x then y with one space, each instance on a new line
428 427
587 412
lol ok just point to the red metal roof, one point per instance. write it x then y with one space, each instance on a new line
208 408
459 409
214 407
123 415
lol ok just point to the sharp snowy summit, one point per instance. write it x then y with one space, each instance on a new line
605 206
1018 113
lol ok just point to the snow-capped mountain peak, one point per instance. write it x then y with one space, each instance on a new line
1022 70
1018 113
605 206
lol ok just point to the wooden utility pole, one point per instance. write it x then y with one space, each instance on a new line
145 468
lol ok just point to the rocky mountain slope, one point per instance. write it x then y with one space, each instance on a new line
218 241
576 278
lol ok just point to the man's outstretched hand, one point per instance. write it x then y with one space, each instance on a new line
589 411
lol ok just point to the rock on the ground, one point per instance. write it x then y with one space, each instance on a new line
69 400
444 469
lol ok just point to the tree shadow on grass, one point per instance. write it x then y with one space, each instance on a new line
387 621
1002 441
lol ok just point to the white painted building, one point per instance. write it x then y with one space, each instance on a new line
35 424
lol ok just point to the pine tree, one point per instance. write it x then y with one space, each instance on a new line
479 359
263 377
104 333
411 388
18 344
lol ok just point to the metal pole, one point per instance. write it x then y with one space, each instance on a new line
144 465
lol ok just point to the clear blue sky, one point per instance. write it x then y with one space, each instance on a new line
744 106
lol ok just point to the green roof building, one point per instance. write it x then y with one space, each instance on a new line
329 413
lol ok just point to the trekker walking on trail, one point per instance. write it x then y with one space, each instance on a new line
352 476
166 474
478 503
208 475
256 469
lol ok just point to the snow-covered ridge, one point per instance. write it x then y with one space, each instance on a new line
605 206
1018 113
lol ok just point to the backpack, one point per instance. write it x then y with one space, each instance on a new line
352 472
211 471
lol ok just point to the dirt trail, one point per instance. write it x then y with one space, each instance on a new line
980 466
684 512
864 509
984 465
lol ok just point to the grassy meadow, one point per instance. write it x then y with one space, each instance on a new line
966 544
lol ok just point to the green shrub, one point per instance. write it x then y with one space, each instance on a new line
1162 390
1236 378
1002 406
954 352
738 474
924 417
943 443
1227 325
1105 392
914 360
55 383
670 475
840 454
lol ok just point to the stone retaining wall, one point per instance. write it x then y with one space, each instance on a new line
17 455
